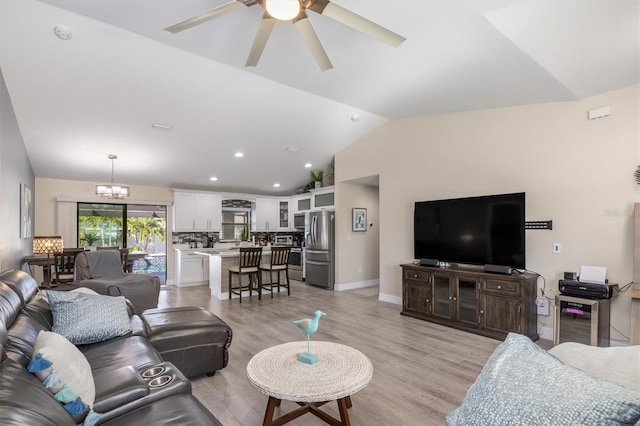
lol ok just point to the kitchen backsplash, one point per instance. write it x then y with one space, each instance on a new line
208 239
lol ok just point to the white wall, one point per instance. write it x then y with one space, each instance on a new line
576 172
15 169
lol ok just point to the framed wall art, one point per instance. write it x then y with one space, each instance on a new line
26 201
359 220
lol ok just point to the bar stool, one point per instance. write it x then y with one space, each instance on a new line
279 263
249 265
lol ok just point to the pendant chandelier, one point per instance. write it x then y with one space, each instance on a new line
112 191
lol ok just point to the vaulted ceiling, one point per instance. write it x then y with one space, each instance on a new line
98 93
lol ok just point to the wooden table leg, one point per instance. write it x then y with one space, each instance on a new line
343 405
271 407
307 407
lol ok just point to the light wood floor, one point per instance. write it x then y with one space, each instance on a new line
421 370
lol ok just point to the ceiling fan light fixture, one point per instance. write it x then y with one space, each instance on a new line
284 10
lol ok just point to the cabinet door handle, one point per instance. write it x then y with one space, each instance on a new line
415 276
193 226
450 298
499 287
482 312
455 298
427 300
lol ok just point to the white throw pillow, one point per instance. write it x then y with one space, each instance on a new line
69 363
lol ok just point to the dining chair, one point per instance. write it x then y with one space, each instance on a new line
64 263
248 264
279 263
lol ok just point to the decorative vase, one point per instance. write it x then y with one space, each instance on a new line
317 184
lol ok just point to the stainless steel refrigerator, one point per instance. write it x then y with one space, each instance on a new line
319 252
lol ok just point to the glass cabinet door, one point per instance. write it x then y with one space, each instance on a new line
284 214
467 300
441 296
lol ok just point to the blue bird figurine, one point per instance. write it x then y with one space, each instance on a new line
309 326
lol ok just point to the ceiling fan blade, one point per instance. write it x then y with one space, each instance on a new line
264 31
207 16
357 22
312 41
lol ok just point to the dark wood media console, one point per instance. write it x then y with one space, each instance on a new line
469 299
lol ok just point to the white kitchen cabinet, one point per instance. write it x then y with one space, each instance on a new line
300 203
267 214
191 269
323 198
208 212
197 211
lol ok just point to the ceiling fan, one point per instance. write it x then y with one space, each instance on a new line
294 11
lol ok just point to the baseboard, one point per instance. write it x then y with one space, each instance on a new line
169 282
396 300
357 284
196 284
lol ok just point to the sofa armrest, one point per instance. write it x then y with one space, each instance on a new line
617 364
118 387
115 396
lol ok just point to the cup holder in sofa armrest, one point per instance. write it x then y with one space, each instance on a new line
115 388
153 372
160 381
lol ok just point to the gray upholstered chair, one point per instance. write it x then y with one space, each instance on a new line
102 272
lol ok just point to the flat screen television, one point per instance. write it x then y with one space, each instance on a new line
475 230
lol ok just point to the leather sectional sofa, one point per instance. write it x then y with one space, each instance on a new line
129 372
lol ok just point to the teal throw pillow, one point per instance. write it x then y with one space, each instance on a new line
85 318
521 384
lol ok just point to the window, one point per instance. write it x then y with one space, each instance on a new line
101 225
235 224
145 228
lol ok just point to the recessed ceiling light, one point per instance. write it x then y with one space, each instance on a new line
62 32
239 155
292 149
276 185
355 117
159 126
213 178
308 165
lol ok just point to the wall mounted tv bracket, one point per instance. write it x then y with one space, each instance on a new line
548 224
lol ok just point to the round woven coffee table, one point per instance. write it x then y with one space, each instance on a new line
340 372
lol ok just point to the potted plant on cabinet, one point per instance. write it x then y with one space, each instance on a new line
316 178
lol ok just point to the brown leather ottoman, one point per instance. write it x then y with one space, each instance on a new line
191 338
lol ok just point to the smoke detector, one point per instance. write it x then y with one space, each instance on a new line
62 32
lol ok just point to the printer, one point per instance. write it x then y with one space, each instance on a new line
585 290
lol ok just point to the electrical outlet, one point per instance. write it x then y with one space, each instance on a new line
557 248
543 306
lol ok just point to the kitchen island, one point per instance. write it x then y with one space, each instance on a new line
219 263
